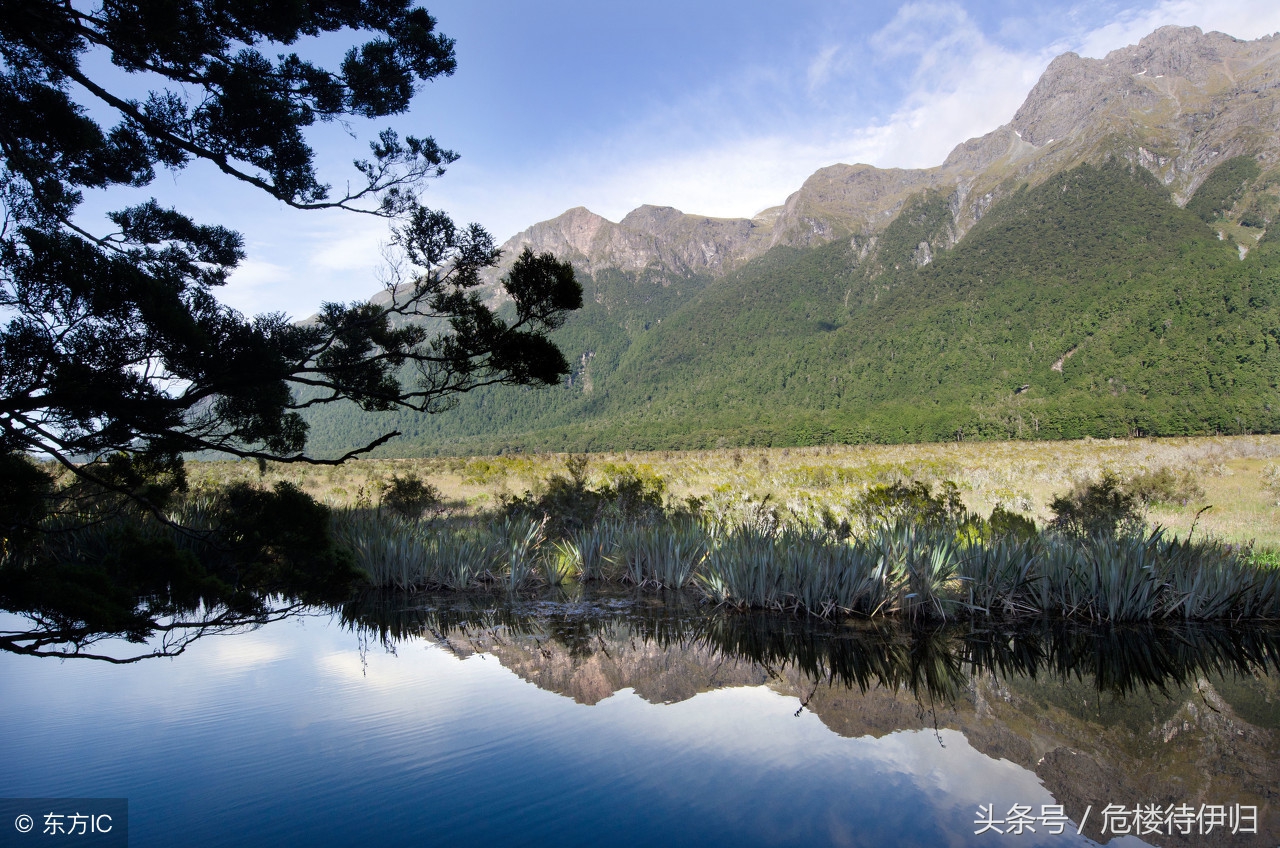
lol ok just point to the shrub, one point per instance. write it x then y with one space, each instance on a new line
277 534
1103 508
1254 219
1164 486
1005 524
569 504
26 492
410 496
909 502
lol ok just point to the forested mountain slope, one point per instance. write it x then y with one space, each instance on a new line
1089 304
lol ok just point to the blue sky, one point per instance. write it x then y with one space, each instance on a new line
716 108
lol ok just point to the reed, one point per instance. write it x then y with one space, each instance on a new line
758 558
410 553
561 561
662 555
738 570
459 560
595 544
391 549
517 543
1002 577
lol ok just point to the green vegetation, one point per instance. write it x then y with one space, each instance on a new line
869 532
92 564
909 551
410 496
1237 476
1222 188
1090 305
114 350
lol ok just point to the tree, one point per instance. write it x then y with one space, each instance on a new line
116 349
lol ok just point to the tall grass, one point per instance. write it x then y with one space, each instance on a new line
594 545
517 544
663 555
921 571
414 554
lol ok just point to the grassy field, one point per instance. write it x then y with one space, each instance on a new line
1237 476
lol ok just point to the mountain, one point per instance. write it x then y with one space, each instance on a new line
1177 103
1098 266
1089 735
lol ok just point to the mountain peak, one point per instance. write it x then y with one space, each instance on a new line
651 219
1176 103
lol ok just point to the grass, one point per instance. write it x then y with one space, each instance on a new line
1239 477
837 531
903 567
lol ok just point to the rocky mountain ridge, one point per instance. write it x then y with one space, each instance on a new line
1186 744
1177 103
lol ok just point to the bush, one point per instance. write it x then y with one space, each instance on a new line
569 504
26 492
1103 508
910 502
1164 486
1254 219
1005 524
410 496
279 537
1223 187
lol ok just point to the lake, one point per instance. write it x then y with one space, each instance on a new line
639 720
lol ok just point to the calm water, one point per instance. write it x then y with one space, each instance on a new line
614 721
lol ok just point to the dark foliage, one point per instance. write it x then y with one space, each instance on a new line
1164 486
1100 508
26 492
1004 523
913 502
569 503
102 567
115 348
410 496
1222 188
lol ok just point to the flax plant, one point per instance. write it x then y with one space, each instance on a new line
561 561
392 550
595 544
517 543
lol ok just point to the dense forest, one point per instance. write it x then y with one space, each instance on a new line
1090 305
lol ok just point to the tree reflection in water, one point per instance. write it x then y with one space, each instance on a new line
1168 714
934 664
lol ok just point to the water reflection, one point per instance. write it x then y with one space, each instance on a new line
1165 715
935 664
584 719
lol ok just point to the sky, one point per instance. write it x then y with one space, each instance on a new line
716 108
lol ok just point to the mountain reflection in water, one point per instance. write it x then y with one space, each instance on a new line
1172 714
386 719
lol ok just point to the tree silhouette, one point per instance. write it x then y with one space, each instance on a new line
116 356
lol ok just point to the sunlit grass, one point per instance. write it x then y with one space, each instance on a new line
790 529
1239 476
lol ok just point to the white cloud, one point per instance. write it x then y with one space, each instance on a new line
1247 19
942 35
251 285
965 86
350 245
821 67
962 85
726 149
298 270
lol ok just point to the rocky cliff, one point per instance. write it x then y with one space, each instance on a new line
1177 103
